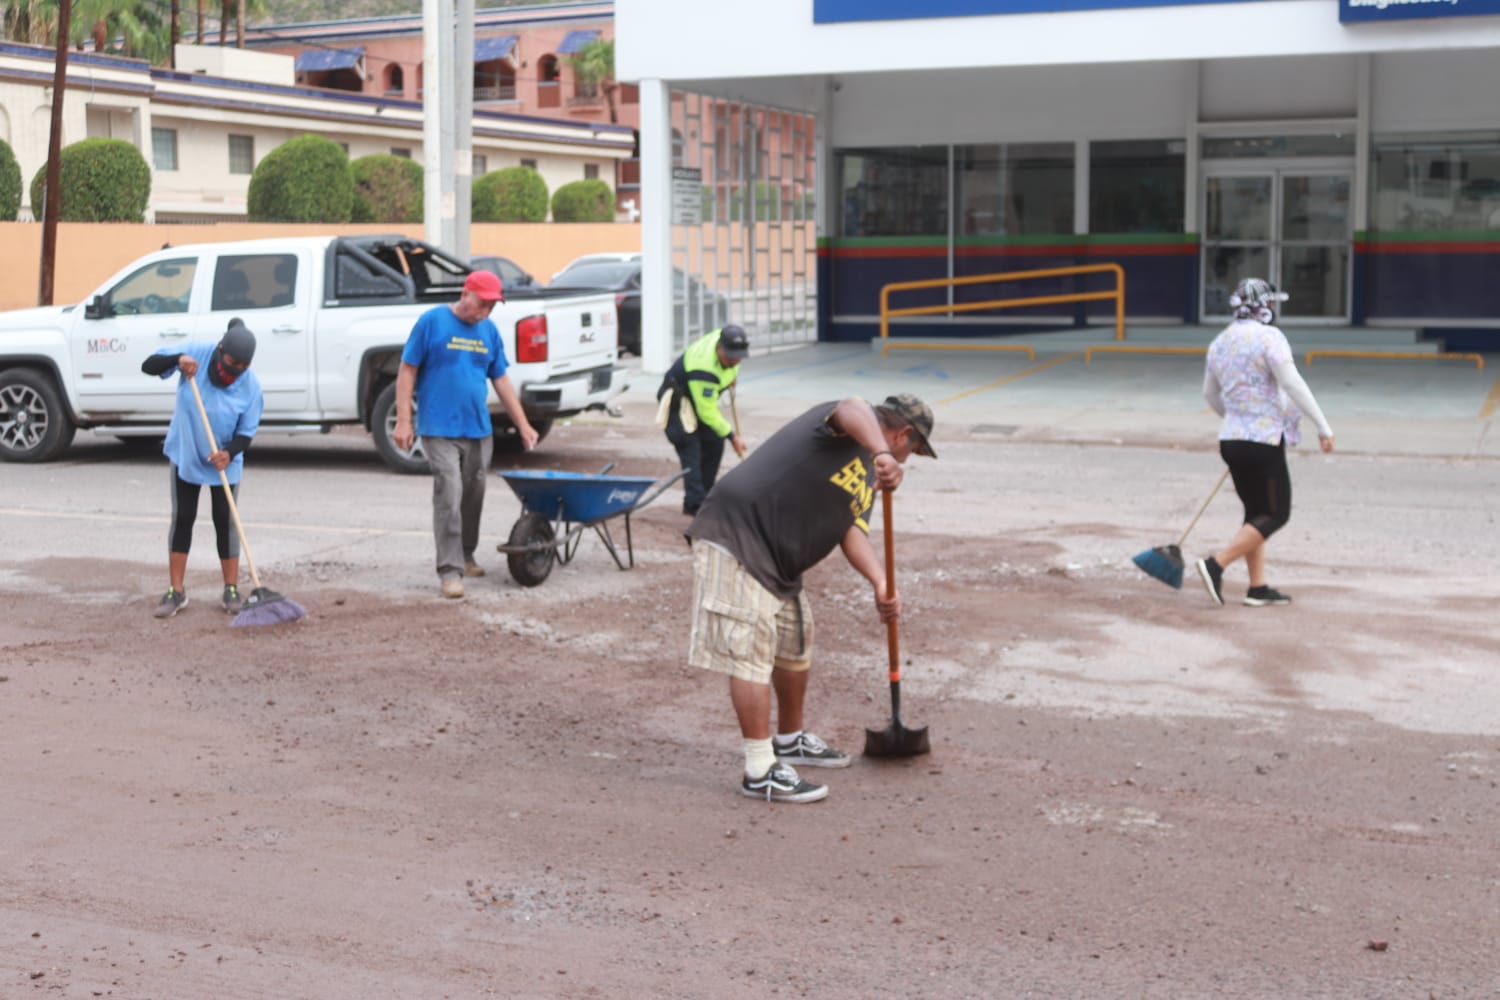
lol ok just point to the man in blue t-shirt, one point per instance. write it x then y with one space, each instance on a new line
451 358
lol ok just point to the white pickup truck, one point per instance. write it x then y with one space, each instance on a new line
330 315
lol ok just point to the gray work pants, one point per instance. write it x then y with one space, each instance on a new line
460 470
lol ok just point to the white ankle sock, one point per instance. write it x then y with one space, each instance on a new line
785 740
759 757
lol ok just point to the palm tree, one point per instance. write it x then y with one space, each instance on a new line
595 63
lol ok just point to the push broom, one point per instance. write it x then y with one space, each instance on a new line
1165 561
264 606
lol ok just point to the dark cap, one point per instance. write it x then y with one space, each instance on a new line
916 413
734 343
238 341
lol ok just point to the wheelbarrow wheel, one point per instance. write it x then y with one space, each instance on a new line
531 567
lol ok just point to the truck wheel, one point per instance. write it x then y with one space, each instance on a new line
507 440
34 424
530 568
409 461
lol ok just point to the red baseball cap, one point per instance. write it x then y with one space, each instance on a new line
485 285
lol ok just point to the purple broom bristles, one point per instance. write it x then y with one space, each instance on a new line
266 607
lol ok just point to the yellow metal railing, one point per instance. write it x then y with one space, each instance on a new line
886 312
1478 359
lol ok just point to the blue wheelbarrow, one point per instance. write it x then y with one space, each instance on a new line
558 507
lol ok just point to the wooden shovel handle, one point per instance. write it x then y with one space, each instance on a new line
891 634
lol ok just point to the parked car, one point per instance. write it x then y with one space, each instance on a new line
697 308
511 274
600 258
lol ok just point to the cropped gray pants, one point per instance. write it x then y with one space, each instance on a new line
460 471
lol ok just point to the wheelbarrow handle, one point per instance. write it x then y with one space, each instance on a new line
658 490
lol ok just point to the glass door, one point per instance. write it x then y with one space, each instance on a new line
1289 225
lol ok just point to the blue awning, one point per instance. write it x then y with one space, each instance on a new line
575 40
316 60
489 49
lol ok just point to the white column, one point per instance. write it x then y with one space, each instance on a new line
438 139
656 226
463 127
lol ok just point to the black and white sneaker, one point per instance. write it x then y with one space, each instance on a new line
1260 597
1213 578
782 784
810 751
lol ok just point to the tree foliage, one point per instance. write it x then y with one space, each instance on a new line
584 201
594 63
100 180
10 183
386 189
512 194
305 179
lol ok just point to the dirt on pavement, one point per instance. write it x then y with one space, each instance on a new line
527 793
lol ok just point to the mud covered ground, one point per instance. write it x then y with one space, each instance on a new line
1131 793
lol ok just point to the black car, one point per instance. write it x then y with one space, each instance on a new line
698 308
510 273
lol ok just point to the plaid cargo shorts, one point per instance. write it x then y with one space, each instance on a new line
739 627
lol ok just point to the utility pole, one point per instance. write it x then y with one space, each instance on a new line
448 122
52 199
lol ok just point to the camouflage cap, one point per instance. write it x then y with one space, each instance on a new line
916 413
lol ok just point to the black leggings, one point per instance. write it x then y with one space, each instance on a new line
185 512
1261 479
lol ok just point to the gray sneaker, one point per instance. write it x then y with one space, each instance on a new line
781 784
232 601
810 751
172 602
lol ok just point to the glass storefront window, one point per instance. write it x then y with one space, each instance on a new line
1137 186
901 191
1439 181
1015 189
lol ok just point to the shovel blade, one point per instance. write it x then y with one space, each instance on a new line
896 740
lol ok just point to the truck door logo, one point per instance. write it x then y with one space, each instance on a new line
106 345
586 337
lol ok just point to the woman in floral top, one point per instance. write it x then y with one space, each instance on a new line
1252 382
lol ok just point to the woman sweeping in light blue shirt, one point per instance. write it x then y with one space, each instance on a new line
1252 382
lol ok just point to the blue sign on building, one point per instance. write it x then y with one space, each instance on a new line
1353 11
833 11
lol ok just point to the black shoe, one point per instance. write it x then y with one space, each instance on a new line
172 602
781 784
1213 578
811 751
1259 597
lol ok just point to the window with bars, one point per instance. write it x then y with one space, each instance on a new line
164 148
241 154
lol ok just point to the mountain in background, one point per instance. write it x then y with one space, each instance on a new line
305 11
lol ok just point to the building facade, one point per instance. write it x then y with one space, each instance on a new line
1345 149
204 125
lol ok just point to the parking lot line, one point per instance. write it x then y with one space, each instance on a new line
1009 378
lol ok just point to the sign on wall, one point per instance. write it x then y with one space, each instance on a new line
1354 11
834 11
687 196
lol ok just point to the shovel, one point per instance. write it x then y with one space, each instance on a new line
895 740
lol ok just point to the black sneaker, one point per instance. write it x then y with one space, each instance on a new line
1259 597
810 751
1213 578
172 602
781 784
232 601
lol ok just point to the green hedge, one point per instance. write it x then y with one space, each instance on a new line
512 194
386 189
10 184
305 179
101 180
584 201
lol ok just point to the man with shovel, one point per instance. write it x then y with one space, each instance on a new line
778 513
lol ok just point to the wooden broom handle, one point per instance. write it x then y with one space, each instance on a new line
891 634
234 509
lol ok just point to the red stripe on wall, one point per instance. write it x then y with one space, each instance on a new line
1410 248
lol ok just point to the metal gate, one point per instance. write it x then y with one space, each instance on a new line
752 258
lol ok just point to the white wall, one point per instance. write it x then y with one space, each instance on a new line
1425 92
1287 87
1033 104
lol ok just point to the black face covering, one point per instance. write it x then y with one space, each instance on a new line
239 343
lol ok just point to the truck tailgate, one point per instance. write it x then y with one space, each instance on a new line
582 331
